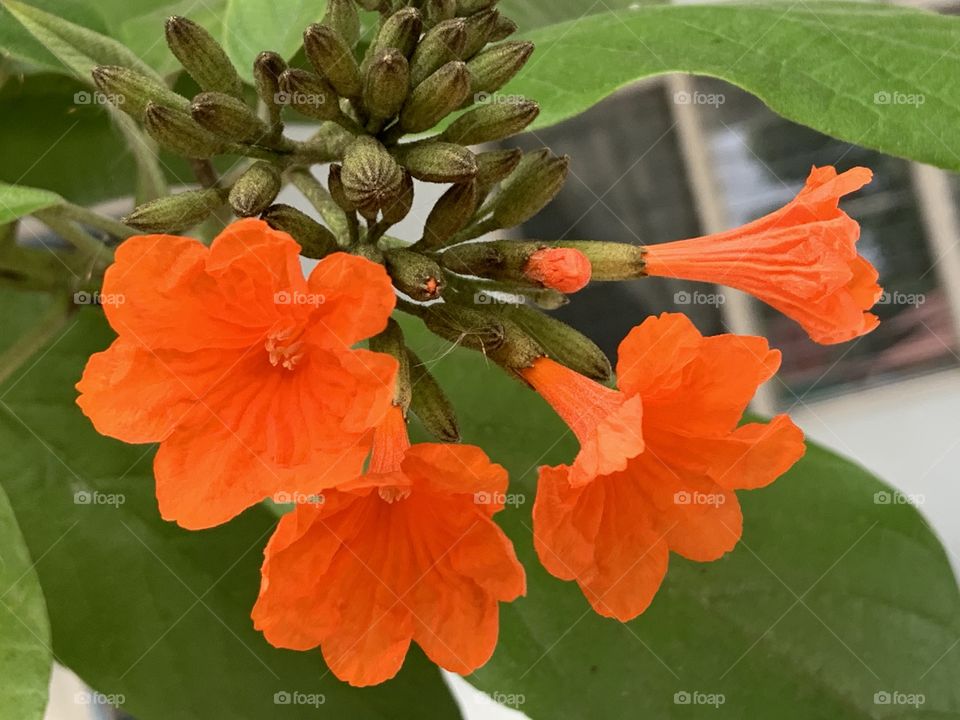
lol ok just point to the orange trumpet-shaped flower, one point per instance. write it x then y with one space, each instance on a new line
801 260
609 520
407 552
563 269
240 368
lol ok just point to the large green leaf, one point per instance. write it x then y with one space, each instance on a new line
143 611
19 200
531 14
829 599
18 43
251 26
25 656
875 75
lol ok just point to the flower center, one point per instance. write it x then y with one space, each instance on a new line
285 347
393 494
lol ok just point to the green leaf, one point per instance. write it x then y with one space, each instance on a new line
25 657
829 599
18 43
251 26
875 75
531 14
17 201
140 608
78 48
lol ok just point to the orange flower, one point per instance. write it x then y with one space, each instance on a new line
801 260
407 552
610 520
563 269
239 367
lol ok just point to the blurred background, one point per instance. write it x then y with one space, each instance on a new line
677 157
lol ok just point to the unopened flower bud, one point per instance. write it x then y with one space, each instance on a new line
332 58
370 5
386 84
267 69
562 269
342 17
175 213
464 326
469 7
315 240
255 190
438 162
479 28
495 67
401 207
178 132
504 28
518 349
133 91
436 97
309 94
488 123
401 31
390 342
536 181
202 57
228 117
371 178
494 166
430 404
609 260
442 44
450 215
438 11
414 274
337 191
562 343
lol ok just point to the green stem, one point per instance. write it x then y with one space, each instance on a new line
88 217
320 198
80 239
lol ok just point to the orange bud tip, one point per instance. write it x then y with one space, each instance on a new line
563 269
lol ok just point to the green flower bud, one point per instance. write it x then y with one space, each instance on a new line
496 66
518 349
228 117
464 326
267 69
202 57
610 261
563 343
442 44
371 178
337 191
450 215
178 132
316 241
370 5
255 189
175 213
479 28
390 342
494 166
401 207
414 274
131 92
401 31
469 7
333 59
436 97
430 404
437 11
386 84
438 162
309 94
502 29
532 186
488 123
343 18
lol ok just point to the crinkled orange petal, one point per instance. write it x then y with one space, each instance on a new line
451 469
566 520
653 355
